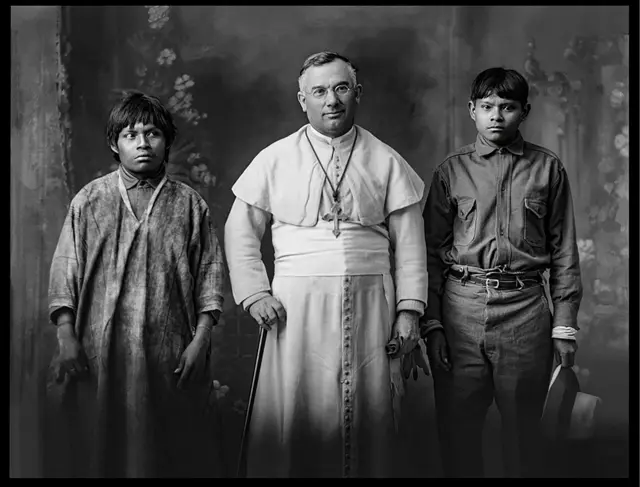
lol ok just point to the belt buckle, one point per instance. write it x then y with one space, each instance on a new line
488 281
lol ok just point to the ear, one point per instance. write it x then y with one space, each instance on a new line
358 93
114 148
302 100
472 110
525 112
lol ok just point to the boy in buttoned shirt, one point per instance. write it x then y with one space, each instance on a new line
499 213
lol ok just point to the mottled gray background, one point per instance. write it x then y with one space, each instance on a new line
416 66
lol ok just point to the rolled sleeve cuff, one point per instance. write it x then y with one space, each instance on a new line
411 305
210 304
57 302
254 298
565 314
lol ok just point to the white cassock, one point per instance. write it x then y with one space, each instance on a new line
327 393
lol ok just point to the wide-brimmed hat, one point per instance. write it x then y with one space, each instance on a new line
568 413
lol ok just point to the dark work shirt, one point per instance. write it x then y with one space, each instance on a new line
508 208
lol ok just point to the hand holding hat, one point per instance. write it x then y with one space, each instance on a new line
565 351
568 414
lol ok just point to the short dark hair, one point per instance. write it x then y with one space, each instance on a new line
137 107
325 57
505 83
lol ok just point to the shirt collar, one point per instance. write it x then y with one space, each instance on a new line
130 180
336 141
485 147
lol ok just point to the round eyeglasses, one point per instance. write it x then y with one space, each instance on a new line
340 90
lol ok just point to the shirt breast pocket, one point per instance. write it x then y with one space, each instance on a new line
535 212
464 228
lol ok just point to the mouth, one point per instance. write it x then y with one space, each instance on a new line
333 114
496 129
144 157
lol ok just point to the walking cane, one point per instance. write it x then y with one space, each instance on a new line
242 462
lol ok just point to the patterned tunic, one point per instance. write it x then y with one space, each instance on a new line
136 287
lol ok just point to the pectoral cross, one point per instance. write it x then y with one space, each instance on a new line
336 211
337 215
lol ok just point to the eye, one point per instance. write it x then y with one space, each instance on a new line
319 92
129 136
342 90
486 107
508 108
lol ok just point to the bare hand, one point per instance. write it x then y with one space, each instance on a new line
565 351
267 312
405 330
193 362
72 360
438 350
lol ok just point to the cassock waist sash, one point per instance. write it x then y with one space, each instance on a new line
315 251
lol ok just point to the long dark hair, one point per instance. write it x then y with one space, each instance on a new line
137 107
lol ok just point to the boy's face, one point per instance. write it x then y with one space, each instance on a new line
498 119
141 149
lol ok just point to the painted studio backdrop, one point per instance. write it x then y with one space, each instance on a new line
229 74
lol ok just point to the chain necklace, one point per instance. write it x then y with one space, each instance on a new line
336 211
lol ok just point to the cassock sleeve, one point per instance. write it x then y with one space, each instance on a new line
243 233
207 266
406 230
66 266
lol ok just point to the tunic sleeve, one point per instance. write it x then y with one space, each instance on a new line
66 265
207 267
243 233
406 230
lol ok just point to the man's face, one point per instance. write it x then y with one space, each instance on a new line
498 119
329 112
141 148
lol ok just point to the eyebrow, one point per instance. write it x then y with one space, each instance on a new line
339 83
510 102
146 128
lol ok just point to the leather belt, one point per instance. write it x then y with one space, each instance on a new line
499 280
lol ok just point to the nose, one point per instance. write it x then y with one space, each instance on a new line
496 115
332 98
143 141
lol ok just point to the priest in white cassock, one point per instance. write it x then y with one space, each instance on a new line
350 275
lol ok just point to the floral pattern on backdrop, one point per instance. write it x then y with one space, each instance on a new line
159 70
593 102
591 109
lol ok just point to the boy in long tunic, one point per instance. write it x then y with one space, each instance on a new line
341 205
500 214
136 285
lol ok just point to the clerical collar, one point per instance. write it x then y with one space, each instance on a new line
130 180
348 137
484 147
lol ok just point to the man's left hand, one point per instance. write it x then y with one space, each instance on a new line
406 331
193 361
565 351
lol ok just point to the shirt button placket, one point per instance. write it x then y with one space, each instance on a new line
502 152
347 371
